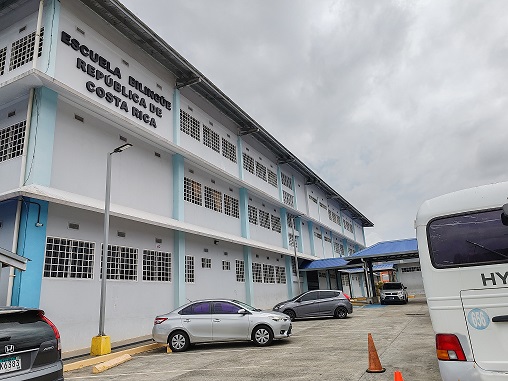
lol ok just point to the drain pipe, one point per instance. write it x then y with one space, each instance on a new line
38 34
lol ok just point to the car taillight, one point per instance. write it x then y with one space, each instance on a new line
347 296
53 327
448 348
159 320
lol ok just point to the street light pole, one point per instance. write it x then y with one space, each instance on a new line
101 344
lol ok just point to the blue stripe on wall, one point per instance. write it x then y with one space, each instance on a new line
31 244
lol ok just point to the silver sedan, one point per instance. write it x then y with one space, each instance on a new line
219 320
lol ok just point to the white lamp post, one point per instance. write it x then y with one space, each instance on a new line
101 344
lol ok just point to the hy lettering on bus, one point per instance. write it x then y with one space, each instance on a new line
492 278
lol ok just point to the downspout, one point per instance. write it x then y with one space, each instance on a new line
38 34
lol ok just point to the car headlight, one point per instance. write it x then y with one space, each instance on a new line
400 294
278 307
276 318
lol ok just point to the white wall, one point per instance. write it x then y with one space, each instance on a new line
266 295
411 279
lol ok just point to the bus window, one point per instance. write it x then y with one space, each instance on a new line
472 239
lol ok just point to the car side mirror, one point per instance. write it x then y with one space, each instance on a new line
298 300
405 288
242 311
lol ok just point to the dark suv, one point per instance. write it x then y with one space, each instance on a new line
29 346
317 303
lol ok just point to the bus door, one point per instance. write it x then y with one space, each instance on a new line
486 314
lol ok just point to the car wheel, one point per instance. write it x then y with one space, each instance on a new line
340 313
291 314
262 336
178 341
406 300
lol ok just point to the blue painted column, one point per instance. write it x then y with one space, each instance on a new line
344 242
179 236
305 282
285 228
176 117
249 285
26 290
42 135
310 225
51 22
289 276
247 251
298 226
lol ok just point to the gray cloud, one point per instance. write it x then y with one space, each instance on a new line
390 102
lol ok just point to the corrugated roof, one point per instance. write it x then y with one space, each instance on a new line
387 250
380 267
321 264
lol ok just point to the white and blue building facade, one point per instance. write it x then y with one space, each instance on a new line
203 204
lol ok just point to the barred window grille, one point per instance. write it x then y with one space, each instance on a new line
226 265
240 270
350 251
257 275
211 139
189 269
268 273
293 265
253 215
264 219
213 199
22 50
11 141
286 180
156 266
327 239
345 280
336 247
272 178
69 258
318 235
206 263
288 199
280 274
122 263
313 199
410 269
231 206
192 191
275 223
291 218
190 125
260 171
324 206
3 55
248 163
228 150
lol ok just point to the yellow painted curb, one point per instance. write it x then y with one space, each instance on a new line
99 368
98 359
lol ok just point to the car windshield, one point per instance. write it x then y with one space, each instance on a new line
392 286
246 306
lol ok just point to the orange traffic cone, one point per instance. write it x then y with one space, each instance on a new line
397 376
374 363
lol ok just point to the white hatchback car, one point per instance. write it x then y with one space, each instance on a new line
219 320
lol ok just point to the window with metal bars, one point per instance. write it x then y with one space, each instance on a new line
260 171
292 240
268 273
206 263
190 125
272 178
275 223
122 263
248 163
288 199
253 215
213 199
286 180
192 191
3 55
189 269
264 219
257 275
11 141
280 274
231 206
22 50
211 139
318 235
240 270
229 150
313 199
226 265
68 258
293 265
156 266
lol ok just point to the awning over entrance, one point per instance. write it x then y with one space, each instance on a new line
386 251
381 267
323 264
8 258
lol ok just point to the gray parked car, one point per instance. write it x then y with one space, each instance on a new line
393 292
29 346
219 320
317 303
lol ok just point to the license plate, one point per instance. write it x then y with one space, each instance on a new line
10 364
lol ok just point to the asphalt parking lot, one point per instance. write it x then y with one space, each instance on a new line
319 349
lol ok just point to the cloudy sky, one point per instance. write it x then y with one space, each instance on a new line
390 102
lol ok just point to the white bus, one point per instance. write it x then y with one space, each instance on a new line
463 248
